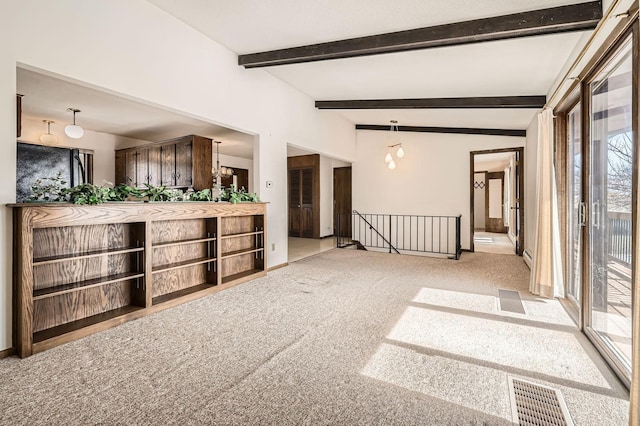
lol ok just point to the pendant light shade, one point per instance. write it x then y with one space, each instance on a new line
48 138
394 130
73 130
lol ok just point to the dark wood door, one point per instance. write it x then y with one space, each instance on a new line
121 173
168 165
142 167
342 201
184 162
155 166
301 203
519 216
130 168
494 203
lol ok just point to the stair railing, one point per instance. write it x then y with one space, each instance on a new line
402 234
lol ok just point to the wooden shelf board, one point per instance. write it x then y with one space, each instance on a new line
84 255
81 285
181 293
183 264
241 234
180 242
240 252
243 276
117 316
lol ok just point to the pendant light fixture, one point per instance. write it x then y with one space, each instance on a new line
394 143
73 130
220 172
48 138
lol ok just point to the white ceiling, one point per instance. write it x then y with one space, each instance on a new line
47 98
524 66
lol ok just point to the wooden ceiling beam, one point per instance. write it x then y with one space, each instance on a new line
532 102
575 17
454 130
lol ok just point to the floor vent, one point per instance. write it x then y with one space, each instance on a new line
510 301
536 405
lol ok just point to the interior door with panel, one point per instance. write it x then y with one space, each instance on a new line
342 201
494 203
301 203
609 208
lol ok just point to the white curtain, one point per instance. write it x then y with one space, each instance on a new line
546 271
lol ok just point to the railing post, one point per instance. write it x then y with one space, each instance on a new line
389 233
458 244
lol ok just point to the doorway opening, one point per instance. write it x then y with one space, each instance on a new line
497 197
318 188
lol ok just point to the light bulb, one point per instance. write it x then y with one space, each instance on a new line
400 152
74 131
48 138
388 158
392 165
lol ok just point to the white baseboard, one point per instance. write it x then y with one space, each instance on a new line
528 259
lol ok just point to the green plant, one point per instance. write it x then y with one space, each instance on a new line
122 191
156 193
49 189
204 195
88 193
230 194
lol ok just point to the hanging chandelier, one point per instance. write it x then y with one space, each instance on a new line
220 172
395 136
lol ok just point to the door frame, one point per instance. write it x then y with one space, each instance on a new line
472 154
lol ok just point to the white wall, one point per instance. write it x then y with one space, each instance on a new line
530 184
431 179
326 193
134 49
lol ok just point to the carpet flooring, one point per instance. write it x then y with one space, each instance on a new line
344 337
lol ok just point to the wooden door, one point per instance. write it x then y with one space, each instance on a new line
494 203
342 201
142 167
121 173
155 166
301 203
168 165
130 167
184 169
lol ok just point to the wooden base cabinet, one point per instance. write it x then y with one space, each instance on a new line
82 269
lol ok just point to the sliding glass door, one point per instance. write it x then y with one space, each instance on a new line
575 207
609 207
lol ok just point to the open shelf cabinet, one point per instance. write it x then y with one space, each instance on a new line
82 269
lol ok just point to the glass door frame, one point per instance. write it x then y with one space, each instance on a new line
586 318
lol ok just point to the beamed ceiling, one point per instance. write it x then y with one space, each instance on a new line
461 66
457 64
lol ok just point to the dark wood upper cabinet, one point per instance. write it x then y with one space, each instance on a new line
184 163
177 163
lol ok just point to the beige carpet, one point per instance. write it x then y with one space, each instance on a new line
345 337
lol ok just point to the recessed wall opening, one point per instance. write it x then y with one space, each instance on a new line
496 201
318 191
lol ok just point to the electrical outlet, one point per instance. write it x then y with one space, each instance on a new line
273 246
269 184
